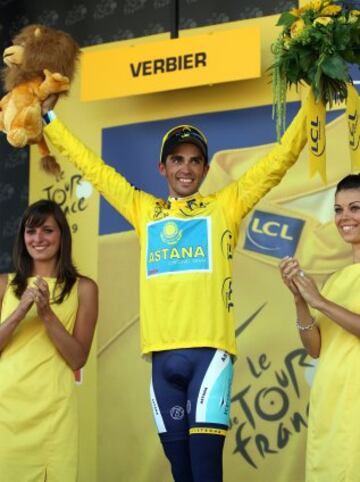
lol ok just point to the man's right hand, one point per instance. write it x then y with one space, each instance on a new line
49 103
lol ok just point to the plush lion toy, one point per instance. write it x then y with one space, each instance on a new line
40 62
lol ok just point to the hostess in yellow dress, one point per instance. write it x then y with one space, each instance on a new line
38 409
333 448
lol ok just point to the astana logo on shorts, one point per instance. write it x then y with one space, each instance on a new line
171 233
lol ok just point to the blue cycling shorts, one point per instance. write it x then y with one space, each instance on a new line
190 391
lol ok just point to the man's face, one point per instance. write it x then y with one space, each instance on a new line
185 169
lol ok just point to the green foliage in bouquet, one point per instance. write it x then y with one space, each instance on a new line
317 43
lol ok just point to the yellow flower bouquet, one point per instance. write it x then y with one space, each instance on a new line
316 45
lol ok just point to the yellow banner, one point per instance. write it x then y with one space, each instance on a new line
352 113
170 64
316 121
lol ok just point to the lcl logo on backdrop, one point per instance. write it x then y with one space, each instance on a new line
272 234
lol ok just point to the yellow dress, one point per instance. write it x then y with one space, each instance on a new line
333 448
38 409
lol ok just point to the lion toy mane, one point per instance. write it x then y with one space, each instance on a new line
41 62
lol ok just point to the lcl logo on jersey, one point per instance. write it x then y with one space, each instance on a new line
272 234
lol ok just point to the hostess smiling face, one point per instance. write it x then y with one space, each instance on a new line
347 209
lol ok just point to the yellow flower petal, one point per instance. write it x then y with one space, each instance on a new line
296 12
323 21
331 10
314 5
297 27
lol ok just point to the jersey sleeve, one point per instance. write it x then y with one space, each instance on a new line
242 195
124 197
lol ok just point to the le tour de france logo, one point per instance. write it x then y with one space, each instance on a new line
273 234
270 410
72 194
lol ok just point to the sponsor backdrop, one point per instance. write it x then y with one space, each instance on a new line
272 372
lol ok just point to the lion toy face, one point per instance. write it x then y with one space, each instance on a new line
41 62
36 48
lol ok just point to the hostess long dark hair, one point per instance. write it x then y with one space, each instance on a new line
352 181
66 273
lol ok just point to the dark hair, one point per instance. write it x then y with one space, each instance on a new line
35 215
352 181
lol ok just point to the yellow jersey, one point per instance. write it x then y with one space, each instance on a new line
186 244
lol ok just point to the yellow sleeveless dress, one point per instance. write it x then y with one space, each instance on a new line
38 409
333 448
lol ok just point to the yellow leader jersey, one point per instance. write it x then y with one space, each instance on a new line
186 244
